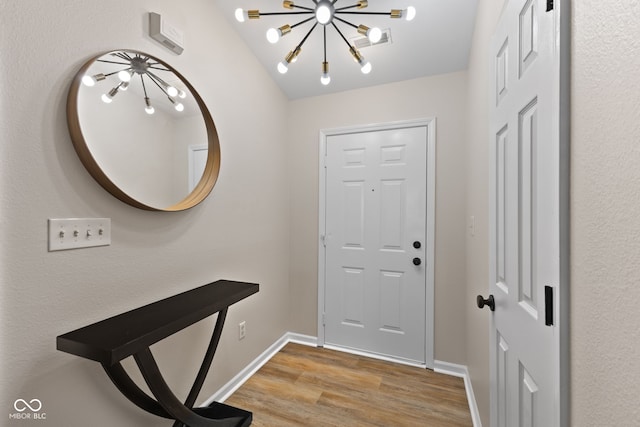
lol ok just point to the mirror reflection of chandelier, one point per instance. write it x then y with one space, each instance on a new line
325 13
136 65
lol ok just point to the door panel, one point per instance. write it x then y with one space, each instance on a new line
353 296
353 200
524 217
375 297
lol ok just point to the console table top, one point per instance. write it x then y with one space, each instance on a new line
118 337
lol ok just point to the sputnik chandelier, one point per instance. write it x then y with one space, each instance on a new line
142 66
325 13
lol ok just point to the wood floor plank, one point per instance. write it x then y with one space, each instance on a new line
308 386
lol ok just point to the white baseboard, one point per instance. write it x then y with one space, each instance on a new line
229 388
461 371
236 382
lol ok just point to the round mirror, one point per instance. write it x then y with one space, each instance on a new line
143 132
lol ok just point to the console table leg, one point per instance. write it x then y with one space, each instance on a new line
206 363
131 391
169 401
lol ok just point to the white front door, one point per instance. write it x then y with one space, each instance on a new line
524 220
376 242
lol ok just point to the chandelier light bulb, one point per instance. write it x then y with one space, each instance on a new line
409 13
124 75
108 97
124 86
172 91
374 34
324 12
88 81
291 57
182 94
177 105
91 81
282 67
273 35
149 108
365 66
325 79
241 15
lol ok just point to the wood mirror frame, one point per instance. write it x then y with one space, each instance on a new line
211 169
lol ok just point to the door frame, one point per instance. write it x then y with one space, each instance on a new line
430 124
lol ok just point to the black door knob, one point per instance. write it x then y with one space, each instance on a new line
417 261
416 244
489 302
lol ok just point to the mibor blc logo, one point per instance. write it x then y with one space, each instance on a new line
28 410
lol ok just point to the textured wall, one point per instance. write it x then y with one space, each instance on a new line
605 201
440 96
153 255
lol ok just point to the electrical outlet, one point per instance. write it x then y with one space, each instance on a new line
242 329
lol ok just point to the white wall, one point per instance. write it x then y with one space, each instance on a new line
153 255
442 97
605 225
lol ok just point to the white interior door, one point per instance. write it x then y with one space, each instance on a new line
524 226
197 162
376 258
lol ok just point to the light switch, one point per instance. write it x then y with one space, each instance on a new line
73 233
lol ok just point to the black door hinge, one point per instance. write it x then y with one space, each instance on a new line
549 5
548 305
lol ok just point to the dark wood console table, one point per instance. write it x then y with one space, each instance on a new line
131 333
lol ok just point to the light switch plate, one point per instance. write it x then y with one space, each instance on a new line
74 233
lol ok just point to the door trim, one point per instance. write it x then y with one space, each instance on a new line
430 124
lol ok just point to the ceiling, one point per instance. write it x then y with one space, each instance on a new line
437 41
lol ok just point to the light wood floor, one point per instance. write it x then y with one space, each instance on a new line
308 386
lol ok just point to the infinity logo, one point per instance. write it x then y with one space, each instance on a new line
21 405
